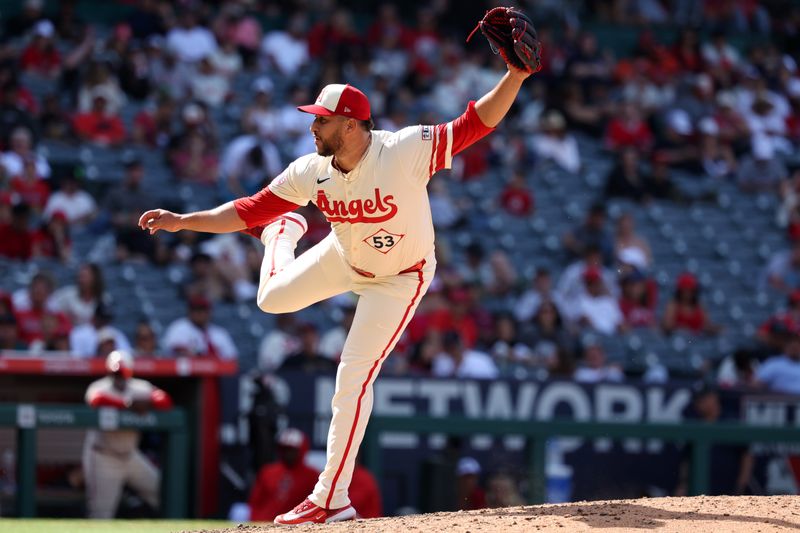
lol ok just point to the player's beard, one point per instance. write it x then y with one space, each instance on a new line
331 146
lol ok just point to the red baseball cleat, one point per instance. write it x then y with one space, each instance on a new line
310 513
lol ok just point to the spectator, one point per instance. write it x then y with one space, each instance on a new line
445 210
502 491
781 373
783 269
507 346
540 291
724 478
195 335
36 317
719 54
761 171
738 370
153 126
205 280
99 79
209 86
54 119
9 336
123 204
469 494
596 308
677 146
13 161
29 188
684 311
79 301
629 245
41 55
276 346
248 162
85 339
733 128
583 113
286 482
189 41
516 199
628 130
364 493
571 284
332 341
287 50
12 114
99 125
259 117
31 13
555 144
196 161
145 343
547 337
135 73
716 158
241 30
226 60
637 301
588 65
626 179
457 361
16 237
591 233
593 365
111 459
74 203
308 358
773 331
52 239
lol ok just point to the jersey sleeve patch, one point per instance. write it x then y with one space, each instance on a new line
427 133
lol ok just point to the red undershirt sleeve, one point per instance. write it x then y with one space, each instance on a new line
262 207
456 136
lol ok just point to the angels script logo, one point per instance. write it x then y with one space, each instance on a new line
376 209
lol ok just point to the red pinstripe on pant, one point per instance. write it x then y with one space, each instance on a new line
368 381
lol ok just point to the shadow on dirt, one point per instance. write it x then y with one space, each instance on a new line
636 516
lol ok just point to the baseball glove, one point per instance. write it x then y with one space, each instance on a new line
511 34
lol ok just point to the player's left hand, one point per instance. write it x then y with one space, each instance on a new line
511 34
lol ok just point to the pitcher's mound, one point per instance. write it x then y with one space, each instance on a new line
701 514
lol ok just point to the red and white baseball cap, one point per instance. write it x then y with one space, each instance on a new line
338 99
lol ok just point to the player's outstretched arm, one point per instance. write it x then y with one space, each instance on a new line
222 219
493 106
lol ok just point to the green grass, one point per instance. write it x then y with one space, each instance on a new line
9 525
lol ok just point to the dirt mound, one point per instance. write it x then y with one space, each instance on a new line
717 514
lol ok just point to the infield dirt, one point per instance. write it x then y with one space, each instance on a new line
701 514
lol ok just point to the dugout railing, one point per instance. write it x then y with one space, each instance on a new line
27 418
698 436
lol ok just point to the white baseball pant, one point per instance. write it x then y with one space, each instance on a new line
106 475
385 307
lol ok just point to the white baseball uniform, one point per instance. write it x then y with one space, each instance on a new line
381 248
111 459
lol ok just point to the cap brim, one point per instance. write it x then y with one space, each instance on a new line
316 110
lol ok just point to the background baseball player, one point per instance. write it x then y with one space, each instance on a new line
371 186
111 459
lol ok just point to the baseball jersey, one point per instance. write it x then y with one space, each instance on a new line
379 211
103 393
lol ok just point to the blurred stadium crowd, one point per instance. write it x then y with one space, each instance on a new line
637 215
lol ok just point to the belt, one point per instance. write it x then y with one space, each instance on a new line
413 268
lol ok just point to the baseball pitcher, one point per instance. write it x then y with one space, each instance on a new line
371 186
